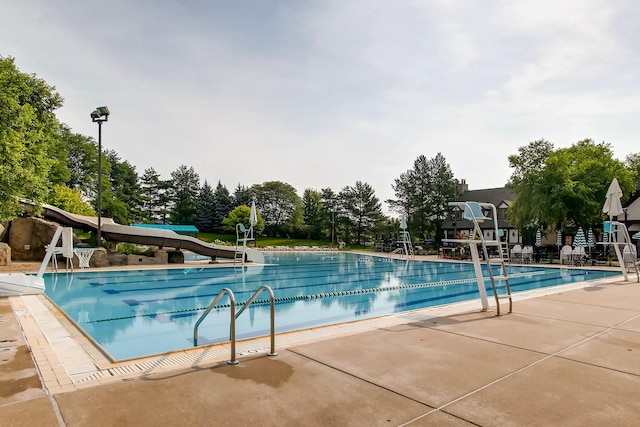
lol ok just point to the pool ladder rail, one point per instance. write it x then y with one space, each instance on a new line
475 212
234 316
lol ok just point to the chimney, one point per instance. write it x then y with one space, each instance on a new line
463 186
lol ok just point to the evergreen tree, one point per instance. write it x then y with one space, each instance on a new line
313 213
223 203
150 195
186 185
422 194
362 210
242 196
330 213
205 209
125 185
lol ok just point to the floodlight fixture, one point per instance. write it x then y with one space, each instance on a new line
100 114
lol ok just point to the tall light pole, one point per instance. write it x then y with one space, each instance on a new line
99 115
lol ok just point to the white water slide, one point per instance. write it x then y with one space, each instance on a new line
146 236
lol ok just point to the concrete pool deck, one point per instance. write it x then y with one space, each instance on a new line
565 356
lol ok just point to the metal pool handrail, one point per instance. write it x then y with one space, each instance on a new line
272 303
234 316
232 304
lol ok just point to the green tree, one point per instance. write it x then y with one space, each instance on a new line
70 200
78 154
242 214
186 184
205 204
565 187
150 195
313 213
280 206
242 195
422 194
362 209
28 128
125 185
632 162
222 205
330 213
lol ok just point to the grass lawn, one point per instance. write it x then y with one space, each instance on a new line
269 241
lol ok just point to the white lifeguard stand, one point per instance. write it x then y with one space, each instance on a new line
473 211
625 250
66 250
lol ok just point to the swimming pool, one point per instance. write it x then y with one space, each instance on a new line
142 312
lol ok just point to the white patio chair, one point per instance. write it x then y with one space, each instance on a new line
629 254
527 254
566 254
516 253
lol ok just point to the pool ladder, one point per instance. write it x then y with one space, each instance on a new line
234 316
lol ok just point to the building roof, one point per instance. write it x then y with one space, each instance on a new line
495 196
488 195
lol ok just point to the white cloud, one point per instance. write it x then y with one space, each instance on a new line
324 94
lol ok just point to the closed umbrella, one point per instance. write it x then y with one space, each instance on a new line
253 214
612 204
580 240
590 240
403 222
538 238
559 239
253 218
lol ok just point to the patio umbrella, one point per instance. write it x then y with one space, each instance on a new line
538 237
403 222
590 240
253 214
559 239
612 204
580 240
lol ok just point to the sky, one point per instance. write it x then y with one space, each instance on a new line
323 94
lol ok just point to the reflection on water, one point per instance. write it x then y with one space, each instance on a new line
134 313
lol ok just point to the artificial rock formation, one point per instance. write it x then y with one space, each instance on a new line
28 238
5 254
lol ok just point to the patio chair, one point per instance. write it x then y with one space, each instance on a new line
578 255
629 253
527 254
566 254
516 253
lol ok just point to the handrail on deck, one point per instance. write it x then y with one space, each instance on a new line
232 303
272 303
395 251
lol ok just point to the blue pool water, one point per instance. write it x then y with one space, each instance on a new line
142 312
